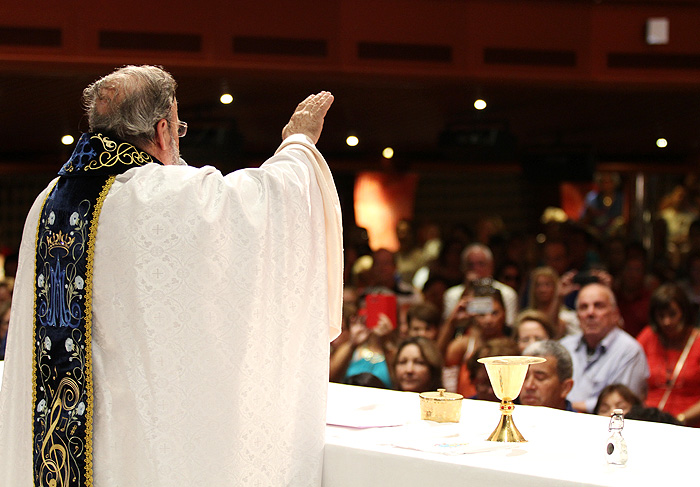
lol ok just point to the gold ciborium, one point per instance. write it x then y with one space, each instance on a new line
507 375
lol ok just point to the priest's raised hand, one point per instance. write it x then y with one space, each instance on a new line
308 116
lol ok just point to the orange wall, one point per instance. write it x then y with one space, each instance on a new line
591 31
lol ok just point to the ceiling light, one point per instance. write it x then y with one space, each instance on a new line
661 143
388 153
67 140
226 98
352 141
479 104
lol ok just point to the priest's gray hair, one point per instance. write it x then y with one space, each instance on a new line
554 349
130 102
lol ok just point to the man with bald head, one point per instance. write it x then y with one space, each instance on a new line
602 352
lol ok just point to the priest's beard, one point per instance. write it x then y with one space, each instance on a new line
175 158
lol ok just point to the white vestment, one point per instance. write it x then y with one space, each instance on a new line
214 298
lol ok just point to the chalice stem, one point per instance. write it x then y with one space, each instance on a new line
506 429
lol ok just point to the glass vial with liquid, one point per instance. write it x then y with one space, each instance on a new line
617 447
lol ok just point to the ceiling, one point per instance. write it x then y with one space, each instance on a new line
425 120
574 78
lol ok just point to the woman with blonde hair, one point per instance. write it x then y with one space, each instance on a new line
544 296
532 326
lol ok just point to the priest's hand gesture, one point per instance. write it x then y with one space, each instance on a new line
308 116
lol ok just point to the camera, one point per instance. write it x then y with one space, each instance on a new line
583 278
482 302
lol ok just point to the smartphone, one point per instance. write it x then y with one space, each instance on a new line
380 303
480 305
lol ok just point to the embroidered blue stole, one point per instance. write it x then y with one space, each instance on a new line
65 246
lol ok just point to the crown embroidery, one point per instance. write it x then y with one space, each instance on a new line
59 240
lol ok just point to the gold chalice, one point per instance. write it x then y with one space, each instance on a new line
507 375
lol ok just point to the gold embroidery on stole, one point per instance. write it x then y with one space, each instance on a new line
56 459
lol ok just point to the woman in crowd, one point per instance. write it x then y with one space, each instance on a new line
482 326
478 376
363 350
673 354
532 326
418 365
615 396
544 296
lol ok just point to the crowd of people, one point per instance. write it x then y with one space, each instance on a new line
616 322
617 325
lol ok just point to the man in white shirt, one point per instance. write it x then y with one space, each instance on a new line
602 352
477 263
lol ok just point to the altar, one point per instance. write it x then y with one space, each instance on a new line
376 437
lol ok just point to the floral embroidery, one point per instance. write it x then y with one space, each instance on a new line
66 233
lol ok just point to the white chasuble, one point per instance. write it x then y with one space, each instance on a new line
214 299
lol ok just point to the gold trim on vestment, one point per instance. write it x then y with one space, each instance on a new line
58 463
88 325
117 153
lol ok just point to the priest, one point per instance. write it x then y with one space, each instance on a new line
170 324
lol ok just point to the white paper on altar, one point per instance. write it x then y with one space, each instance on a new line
364 416
453 445
355 409
441 438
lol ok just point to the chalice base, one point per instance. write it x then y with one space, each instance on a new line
506 430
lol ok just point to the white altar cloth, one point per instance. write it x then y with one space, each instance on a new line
563 448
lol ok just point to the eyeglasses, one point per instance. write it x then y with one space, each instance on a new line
181 128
